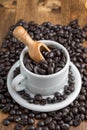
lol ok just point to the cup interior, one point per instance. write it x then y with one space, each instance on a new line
48 43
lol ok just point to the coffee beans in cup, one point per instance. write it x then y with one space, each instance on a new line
54 62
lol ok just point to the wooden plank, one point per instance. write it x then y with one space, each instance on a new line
38 11
7 17
55 11
8 3
77 10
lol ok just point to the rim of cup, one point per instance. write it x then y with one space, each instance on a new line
50 75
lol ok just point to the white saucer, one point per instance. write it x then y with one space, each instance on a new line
47 107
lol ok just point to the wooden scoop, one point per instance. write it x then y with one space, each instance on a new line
34 47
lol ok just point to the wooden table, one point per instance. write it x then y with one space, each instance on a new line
55 11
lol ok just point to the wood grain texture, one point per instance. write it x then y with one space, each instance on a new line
7 16
55 11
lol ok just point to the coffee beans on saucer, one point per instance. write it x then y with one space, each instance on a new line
71 36
54 62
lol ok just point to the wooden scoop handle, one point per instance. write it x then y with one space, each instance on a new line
20 33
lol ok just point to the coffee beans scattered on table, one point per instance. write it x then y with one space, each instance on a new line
54 62
71 36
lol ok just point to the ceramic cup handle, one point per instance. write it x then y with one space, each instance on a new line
16 82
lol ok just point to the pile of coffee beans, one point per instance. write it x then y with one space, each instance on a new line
54 62
57 97
71 36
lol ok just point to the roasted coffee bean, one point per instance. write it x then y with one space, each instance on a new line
31 121
67 119
23 122
48 120
46 128
82 117
6 109
45 54
66 90
39 128
52 65
65 111
74 22
36 102
44 64
75 110
31 115
16 107
3 101
26 111
18 127
17 118
1 82
2 105
71 88
50 70
82 104
43 102
57 127
57 94
52 126
36 70
76 122
8 100
54 121
24 117
50 55
38 97
31 100
38 116
22 23
65 127
1 96
3 90
61 122
8 95
58 116
26 96
43 115
10 118
6 122
82 109
54 100
31 127
29 66
12 112
18 112
41 71
57 69
56 60
86 117
51 114
49 60
40 123
82 98
65 96
43 61
49 100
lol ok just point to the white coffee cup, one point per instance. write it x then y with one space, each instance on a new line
41 84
